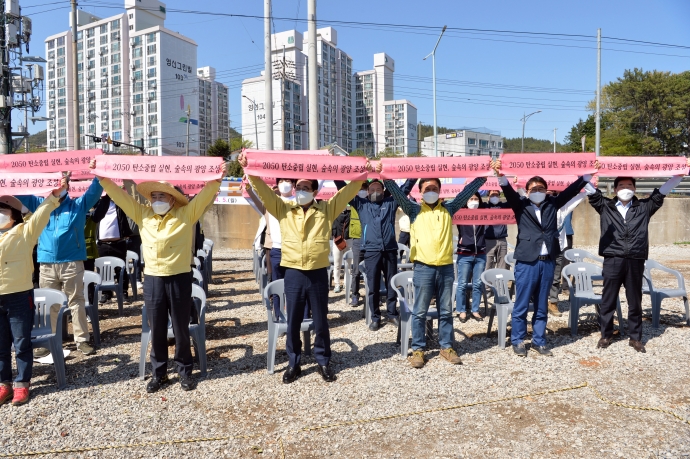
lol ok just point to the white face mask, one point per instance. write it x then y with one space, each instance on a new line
625 195
304 197
472 204
4 220
430 197
537 197
363 194
285 187
160 207
494 200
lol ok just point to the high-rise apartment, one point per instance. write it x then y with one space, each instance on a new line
213 109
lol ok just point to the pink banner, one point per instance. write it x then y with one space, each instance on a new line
29 184
484 217
168 168
452 190
76 161
456 166
292 152
642 166
554 182
531 164
300 166
78 188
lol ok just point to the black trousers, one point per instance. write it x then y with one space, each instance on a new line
561 263
374 264
89 265
627 272
302 287
172 295
116 249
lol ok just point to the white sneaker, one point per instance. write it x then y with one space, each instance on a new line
336 289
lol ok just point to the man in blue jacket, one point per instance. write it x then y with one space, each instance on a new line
380 247
61 255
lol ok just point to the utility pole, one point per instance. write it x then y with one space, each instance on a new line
554 139
598 116
433 77
189 114
312 77
268 75
524 120
75 79
5 100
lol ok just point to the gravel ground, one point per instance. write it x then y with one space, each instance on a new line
105 403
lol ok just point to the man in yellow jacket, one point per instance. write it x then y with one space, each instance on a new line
305 227
167 230
17 241
432 253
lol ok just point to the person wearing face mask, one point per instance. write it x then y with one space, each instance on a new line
495 236
471 261
377 216
306 228
624 244
431 233
274 240
535 254
166 228
17 240
61 255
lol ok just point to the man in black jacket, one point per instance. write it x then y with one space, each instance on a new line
624 244
535 253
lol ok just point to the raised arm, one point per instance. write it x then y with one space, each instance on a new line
340 200
193 211
101 209
255 199
598 201
408 185
571 191
123 200
91 197
466 193
340 184
400 197
30 202
273 204
39 219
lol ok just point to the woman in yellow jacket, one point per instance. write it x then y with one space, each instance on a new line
167 229
17 241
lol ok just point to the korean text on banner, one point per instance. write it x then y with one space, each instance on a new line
166 168
76 161
456 166
300 166
484 217
20 183
531 164
553 182
642 166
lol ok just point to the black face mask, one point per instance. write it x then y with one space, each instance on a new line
376 197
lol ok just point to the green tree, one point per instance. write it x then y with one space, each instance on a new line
234 169
387 152
532 145
358 152
416 154
237 144
219 148
587 128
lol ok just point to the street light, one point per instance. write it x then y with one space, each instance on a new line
256 129
37 59
433 77
524 120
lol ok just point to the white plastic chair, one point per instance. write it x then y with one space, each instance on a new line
579 256
402 284
91 277
657 295
42 334
582 293
105 266
497 280
277 325
198 278
510 259
347 275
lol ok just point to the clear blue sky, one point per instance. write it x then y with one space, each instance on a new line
484 79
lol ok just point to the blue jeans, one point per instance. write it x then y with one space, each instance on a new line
16 322
531 279
432 281
470 269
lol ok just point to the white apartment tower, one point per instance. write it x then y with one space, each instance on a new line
136 82
213 109
381 121
290 127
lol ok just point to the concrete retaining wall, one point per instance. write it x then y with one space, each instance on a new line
234 227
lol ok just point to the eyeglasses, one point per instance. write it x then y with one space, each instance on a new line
537 189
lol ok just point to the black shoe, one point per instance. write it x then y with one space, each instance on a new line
103 299
543 350
637 345
187 383
326 373
394 320
156 383
604 343
291 374
478 317
462 319
375 325
125 299
520 349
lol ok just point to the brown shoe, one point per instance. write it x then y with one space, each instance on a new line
417 359
637 345
451 356
553 310
604 343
